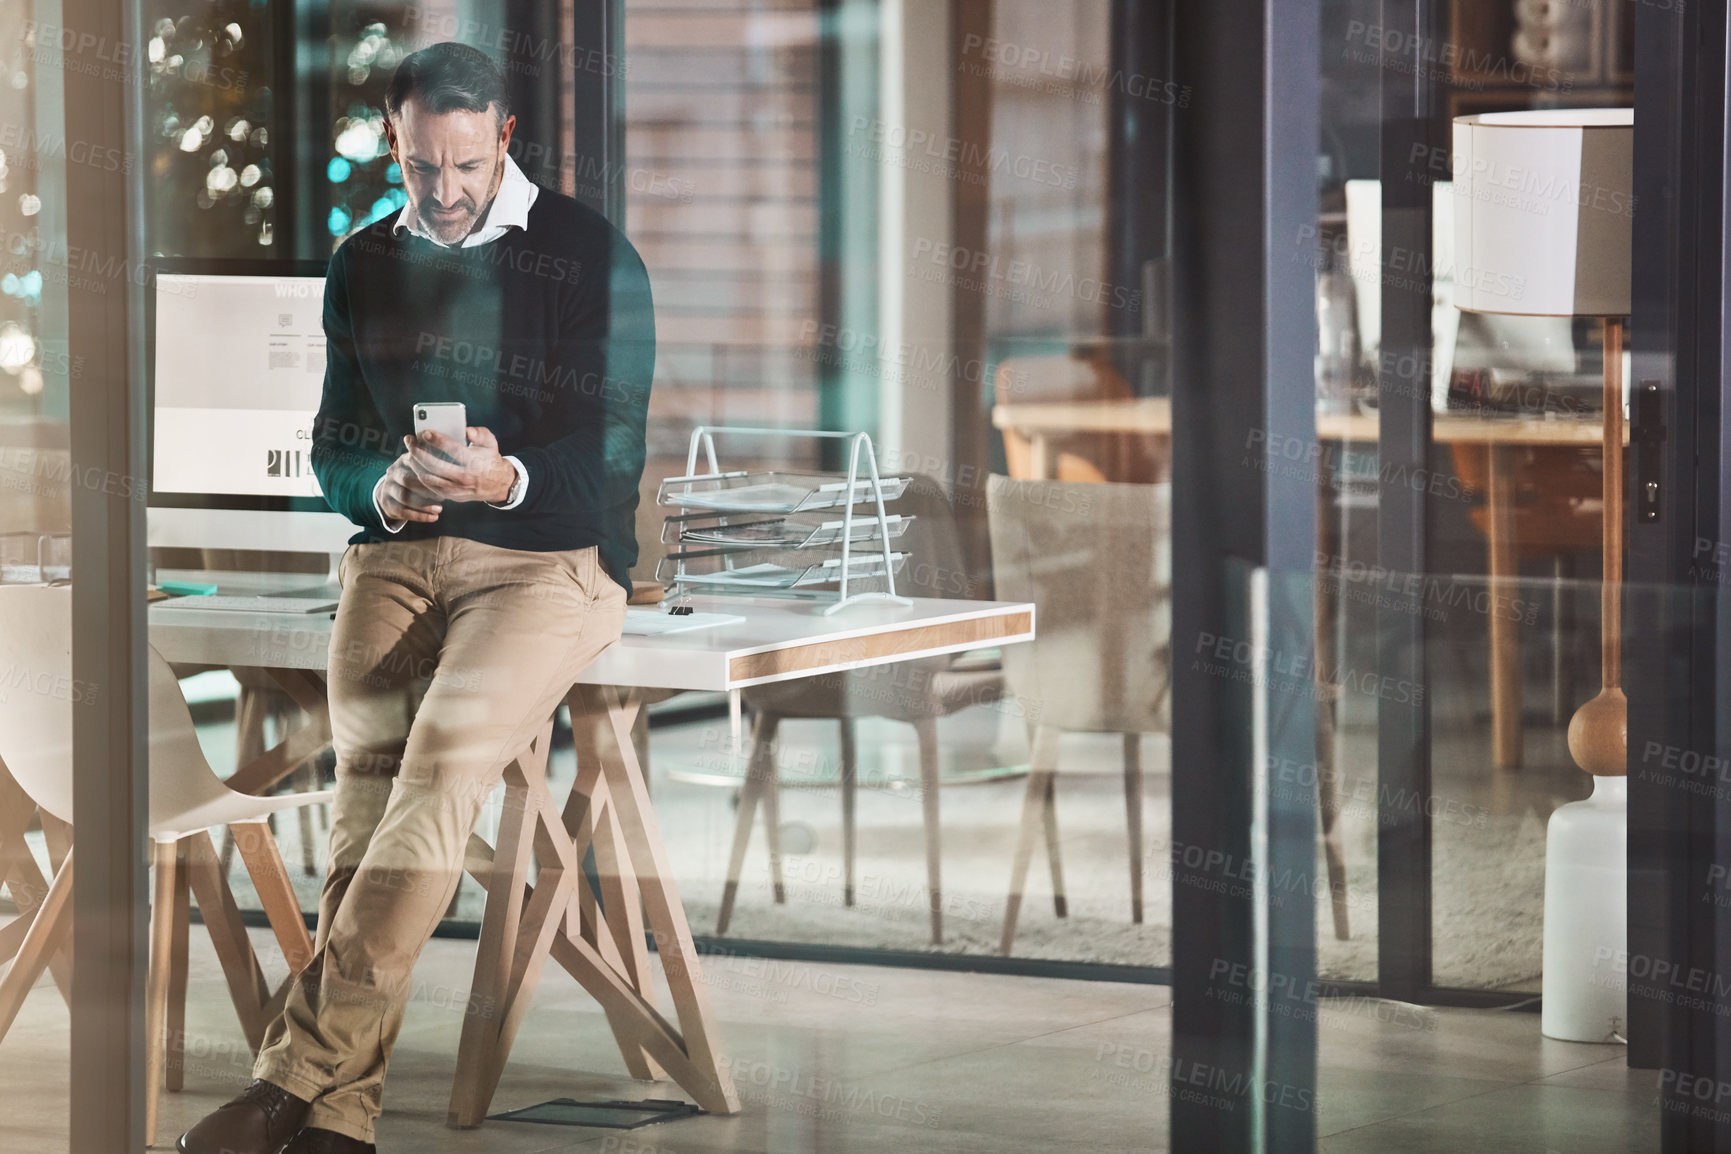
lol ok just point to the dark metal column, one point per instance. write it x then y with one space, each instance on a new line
1244 200
110 794
1663 696
284 145
971 114
1138 192
534 57
1677 665
305 102
1410 136
598 45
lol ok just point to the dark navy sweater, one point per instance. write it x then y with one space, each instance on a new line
547 336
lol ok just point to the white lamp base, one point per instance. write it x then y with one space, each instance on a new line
1586 917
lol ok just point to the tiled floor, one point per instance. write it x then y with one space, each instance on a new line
858 1058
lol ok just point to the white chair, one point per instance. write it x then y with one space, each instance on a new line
1095 560
38 714
916 692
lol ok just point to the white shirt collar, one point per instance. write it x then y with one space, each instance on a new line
510 209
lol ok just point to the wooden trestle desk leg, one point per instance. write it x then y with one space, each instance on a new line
621 939
695 1065
597 938
503 958
1505 634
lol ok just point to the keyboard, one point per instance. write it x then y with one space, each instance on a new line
654 623
244 603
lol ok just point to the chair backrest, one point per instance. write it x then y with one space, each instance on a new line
937 564
40 705
36 693
936 567
1057 377
1095 559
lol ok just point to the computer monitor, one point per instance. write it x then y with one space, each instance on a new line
237 358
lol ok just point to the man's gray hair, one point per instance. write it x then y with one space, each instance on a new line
449 77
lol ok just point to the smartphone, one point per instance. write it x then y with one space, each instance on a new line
446 418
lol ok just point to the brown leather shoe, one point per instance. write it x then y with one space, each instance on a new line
258 1121
312 1140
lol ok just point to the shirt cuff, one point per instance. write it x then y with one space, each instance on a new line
397 527
519 490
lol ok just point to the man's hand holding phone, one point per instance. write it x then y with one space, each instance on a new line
402 497
444 461
448 471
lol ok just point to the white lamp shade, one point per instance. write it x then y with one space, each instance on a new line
1544 211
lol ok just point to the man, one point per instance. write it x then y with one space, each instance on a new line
486 575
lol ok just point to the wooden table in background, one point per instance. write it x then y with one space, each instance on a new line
1041 422
1501 437
1044 421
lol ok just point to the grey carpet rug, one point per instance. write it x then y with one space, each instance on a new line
1488 861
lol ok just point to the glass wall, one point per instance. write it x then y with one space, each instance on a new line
767 143
1509 628
827 250
889 220
972 248
1460 423
34 365
63 292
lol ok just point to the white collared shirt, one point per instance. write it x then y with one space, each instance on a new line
509 210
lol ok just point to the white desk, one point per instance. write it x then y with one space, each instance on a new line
561 915
778 640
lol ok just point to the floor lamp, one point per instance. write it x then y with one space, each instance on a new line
1544 217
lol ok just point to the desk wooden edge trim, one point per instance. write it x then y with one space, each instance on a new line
901 623
832 653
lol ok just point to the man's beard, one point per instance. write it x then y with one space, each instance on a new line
455 228
450 229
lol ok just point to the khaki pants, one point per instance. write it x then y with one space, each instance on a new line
446 658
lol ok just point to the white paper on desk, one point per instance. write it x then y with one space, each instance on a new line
654 623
